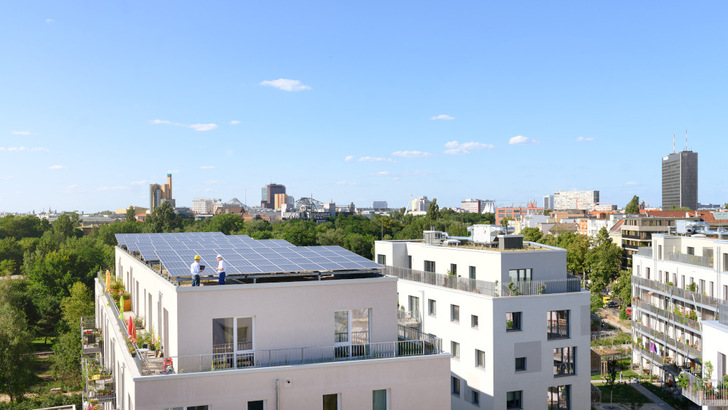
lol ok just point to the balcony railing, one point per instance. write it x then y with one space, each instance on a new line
674 291
692 324
644 251
723 314
533 287
703 261
690 351
287 357
712 393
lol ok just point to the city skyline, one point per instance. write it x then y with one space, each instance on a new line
355 103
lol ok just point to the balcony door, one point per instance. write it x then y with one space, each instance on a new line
232 342
351 332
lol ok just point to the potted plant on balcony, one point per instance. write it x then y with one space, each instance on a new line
682 381
513 289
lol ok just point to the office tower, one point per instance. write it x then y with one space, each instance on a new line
680 180
158 194
575 200
268 194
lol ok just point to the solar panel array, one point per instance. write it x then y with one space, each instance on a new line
243 255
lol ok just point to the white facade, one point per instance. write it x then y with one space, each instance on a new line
471 309
582 200
289 358
203 206
420 204
678 286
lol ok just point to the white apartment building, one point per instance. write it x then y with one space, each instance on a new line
292 328
581 200
203 206
517 326
420 204
679 288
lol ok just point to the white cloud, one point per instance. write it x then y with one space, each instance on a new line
49 21
112 188
174 171
395 179
411 154
208 167
582 139
456 148
196 127
521 140
56 167
142 182
286 84
442 117
20 132
234 122
214 182
383 173
15 149
203 127
375 159
348 158
72 188
631 183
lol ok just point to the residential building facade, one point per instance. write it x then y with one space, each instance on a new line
575 200
517 326
516 212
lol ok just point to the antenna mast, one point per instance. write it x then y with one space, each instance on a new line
686 140
673 143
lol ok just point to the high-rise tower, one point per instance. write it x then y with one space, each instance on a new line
680 180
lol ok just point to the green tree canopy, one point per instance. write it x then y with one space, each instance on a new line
227 224
16 359
19 227
130 214
604 260
633 206
531 234
433 212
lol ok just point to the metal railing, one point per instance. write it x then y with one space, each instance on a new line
705 392
723 314
408 333
675 291
667 315
670 342
287 357
533 287
644 251
703 261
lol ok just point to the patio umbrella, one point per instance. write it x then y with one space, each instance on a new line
133 330
108 281
129 327
121 304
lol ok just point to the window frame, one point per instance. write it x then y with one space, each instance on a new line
524 362
565 361
479 359
455 349
455 386
432 307
555 330
455 313
474 321
517 397
516 319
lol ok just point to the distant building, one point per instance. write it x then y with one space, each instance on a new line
580 200
279 201
515 212
680 180
548 202
480 206
420 204
203 206
158 194
379 205
268 194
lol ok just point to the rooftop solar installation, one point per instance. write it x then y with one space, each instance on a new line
243 254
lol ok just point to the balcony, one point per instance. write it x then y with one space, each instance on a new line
524 288
675 292
644 251
90 337
712 393
669 316
704 261
686 349
411 343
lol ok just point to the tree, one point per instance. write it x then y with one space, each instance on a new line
11 255
531 234
433 212
604 260
131 214
633 206
16 359
623 287
226 223
576 251
19 227
259 229
80 303
66 226
164 219
67 359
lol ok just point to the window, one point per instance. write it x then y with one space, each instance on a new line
473 321
381 259
520 275
647 269
455 349
513 321
198 407
379 399
455 385
557 322
520 364
413 303
471 272
559 397
331 402
232 342
431 307
659 252
691 250
453 269
475 397
564 361
513 399
256 405
351 332
429 266
479 358
454 313
701 289
409 261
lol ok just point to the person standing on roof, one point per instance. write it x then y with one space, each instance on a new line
221 265
195 271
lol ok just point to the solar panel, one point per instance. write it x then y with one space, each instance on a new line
243 254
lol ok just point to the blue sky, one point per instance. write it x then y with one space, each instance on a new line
356 101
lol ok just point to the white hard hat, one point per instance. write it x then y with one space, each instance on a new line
219 256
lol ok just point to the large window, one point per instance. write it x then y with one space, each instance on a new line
351 328
520 364
471 272
453 269
331 402
455 385
256 405
513 321
475 398
429 266
557 324
379 399
454 313
479 358
514 399
232 342
559 397
564 361
431 307
520 275
381 259
413 303
455 349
